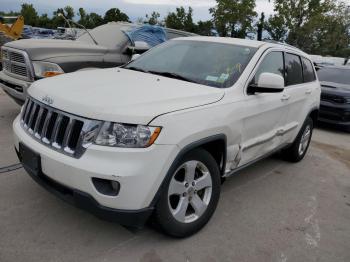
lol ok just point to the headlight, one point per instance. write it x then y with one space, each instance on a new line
46 69
125 135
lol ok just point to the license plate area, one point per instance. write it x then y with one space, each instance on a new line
31 160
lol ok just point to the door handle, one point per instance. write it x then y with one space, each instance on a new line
285 98
308 91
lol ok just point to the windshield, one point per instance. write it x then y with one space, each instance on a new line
335 75
208 63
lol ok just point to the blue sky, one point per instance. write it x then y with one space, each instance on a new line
134 8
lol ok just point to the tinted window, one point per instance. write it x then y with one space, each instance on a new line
207 63
294 73
272 63
309 73
336 75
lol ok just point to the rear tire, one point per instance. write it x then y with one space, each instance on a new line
297 151
189 199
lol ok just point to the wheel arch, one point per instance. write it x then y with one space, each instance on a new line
313 114
210 144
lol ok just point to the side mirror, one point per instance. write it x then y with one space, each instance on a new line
268 83
139 47
135 56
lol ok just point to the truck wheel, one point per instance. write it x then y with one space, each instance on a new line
190 196
298 149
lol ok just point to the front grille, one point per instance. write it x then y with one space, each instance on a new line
16 62
58 130
333 99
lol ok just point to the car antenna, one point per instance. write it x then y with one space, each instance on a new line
87 31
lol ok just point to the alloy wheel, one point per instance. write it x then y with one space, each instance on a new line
190 191
304 141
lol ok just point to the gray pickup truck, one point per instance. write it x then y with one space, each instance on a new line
26 61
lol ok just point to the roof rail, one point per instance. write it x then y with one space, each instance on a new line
279 43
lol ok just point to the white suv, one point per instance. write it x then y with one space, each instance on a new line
158 136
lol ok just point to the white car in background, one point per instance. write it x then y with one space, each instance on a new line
159 135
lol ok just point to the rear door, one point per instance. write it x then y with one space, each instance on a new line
300 84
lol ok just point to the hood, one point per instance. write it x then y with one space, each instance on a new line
335 88
41 49
121 95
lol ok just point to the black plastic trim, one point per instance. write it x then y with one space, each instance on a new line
184 151
82 200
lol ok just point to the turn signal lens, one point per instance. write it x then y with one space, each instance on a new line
51 74
154 136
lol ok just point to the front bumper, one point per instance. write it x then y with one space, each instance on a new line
338 115
86 202
15 88
140 173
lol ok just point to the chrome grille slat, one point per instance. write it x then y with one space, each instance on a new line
38 120
26 116
58 130
31 117
24 108
67 135
17 63
45 127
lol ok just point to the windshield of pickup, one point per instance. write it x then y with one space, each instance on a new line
335 75
208 63
110 35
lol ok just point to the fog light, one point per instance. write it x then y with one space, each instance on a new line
106 187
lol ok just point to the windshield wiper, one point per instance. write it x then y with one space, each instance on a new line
173 75
136 69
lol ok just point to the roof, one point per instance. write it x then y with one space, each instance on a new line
344 67
224 40
239 41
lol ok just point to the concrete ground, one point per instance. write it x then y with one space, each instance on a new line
272 211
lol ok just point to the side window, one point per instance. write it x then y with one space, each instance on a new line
272 63
308 69
294 72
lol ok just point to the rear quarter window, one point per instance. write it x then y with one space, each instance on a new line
294 71
308 70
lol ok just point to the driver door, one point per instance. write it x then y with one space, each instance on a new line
265 113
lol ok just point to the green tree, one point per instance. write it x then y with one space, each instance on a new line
260 26
58 21
330 34
30 14
276 28
181 20
11 13
44 21
94 20
234 17
114 14
82 14
69 12
204 28
297 13
315 26
153 19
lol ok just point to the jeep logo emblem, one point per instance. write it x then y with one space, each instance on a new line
48 100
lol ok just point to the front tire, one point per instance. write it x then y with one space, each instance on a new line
297 151
190 196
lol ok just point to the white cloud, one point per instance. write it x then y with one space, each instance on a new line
194 3
134 8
